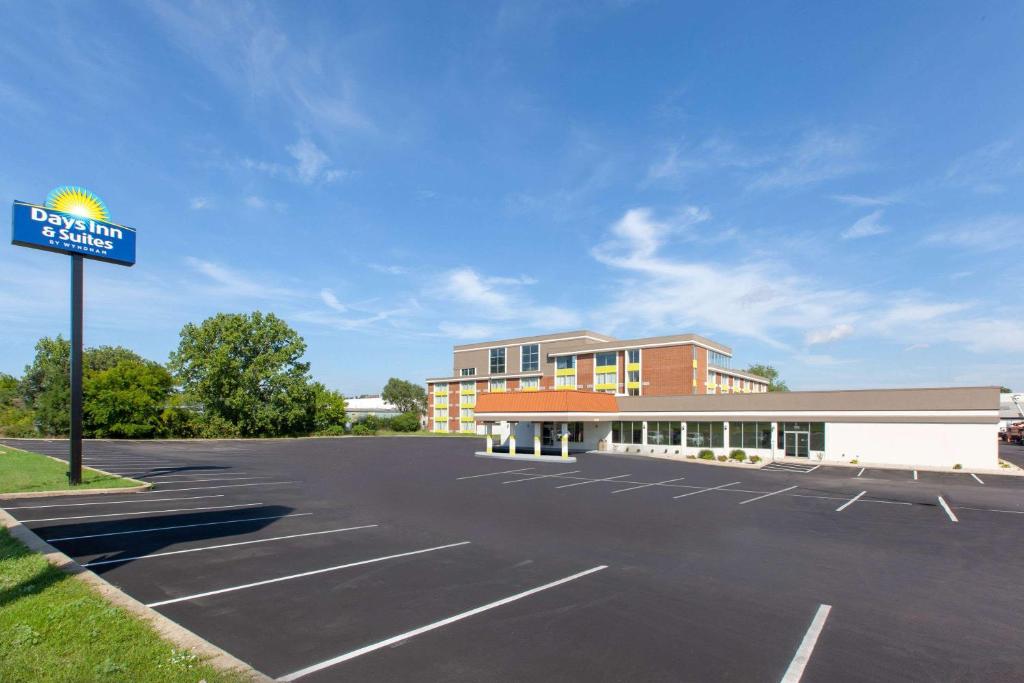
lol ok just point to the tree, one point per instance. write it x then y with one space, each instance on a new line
770 374
126 400
16 420
1005 390
406 396
406 422
246 369
328 409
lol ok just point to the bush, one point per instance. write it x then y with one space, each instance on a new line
691 457
854 461
406 422
333 430
706 454
723 458
739 455
958 466
364 429
755 459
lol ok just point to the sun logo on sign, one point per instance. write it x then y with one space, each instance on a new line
78 201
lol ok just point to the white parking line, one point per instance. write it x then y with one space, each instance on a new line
175 526
710 488
196 481
591 481
641 486
144 512
295 675
540 476
812 469
773 493
491 474
861 471
977 478
224 545
850 502
303 574
140 499
227 486
946 507
803 653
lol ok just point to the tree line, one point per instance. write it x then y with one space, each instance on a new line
232 375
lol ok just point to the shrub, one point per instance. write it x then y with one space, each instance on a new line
958 466
723 458
363 429
706 454
739 455
333 430
755 459
691 457
854 461
406 422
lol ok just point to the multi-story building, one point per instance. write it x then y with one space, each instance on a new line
581 360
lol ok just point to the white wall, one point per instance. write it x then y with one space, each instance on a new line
934 445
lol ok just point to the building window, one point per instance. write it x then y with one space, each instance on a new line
627 432
665 433
441 400
530 383
565 362
705 434
605 381
750 434
529 357
605 358
441 388
575 432
633 356
633 376
497 361
719 359
467 412
565 381
441 413
497 385
467 372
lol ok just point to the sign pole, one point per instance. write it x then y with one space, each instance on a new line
77 283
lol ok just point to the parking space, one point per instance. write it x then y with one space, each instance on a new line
406 558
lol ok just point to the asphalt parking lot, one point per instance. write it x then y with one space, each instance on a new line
383 559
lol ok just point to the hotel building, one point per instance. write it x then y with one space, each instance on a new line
676 395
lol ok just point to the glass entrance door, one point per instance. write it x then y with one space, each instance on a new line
797 444
548 433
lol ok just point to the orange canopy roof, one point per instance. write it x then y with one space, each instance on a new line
547 402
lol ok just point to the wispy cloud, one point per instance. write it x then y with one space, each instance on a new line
311 165
988 169
988 233
259 203
199 203
819 156
331 300
388 269
228 283
829 334
868 226
863 200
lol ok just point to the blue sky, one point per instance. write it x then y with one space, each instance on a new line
832 188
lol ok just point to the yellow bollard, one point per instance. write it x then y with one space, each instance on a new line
490 444
565 445
536 445
512 444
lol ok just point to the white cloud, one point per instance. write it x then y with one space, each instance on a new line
862 200
988 169
198 203
819 156
868 226
230 283
989 233
332 302
388 269
257 202
310 160
498 299
829 334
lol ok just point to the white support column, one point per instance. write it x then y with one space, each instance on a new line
565 439
512 437
490 437
536 438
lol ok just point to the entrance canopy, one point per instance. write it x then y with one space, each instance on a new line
544 405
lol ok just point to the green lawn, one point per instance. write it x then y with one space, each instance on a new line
55 628
21 471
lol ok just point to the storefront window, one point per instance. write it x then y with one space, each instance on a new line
705 434
750 434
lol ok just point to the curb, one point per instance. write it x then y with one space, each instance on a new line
143 485
524 457
167 629
746 465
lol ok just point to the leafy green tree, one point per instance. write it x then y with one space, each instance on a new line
16 420
328 409
246 370
406 396
126 400
1005 390
46 386
769 373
